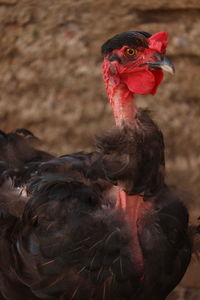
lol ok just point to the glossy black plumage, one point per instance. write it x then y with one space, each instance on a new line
66 240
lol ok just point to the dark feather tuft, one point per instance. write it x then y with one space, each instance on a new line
134 158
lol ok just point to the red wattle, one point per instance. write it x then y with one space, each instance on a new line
158 76
142 81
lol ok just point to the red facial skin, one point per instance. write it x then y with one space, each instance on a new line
122 81
139 79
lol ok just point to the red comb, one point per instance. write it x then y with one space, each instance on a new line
159 41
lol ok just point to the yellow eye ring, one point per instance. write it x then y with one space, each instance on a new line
130 51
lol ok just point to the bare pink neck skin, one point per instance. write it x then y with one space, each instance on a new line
135 209
122 102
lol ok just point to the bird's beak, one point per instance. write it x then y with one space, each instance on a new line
163 63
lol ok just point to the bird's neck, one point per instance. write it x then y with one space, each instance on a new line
122 102
120 97
124 110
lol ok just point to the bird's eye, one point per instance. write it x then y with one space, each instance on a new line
130 51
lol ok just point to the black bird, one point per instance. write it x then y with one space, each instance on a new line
102 225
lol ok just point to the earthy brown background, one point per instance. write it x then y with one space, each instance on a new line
50 80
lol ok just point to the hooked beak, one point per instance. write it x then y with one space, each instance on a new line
163 63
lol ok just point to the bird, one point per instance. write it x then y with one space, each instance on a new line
102 225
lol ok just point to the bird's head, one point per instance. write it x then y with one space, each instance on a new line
134 62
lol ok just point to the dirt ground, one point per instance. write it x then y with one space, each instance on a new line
50 81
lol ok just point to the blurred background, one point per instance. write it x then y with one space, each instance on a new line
50 81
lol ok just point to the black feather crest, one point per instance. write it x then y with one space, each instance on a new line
129 38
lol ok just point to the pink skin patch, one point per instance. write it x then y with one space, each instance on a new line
121 98
135 209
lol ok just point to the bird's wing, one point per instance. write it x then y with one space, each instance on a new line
19 156
67 242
